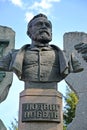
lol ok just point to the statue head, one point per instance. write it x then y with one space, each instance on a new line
40 29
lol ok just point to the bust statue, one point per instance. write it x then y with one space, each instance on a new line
39 64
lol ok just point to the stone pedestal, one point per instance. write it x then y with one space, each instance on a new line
40 109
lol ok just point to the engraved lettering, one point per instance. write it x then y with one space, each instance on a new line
45 106
45 114
40 112
33 106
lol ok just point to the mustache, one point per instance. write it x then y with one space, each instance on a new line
44 30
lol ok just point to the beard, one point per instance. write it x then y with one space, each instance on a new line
42 36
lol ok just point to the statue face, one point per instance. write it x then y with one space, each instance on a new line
41 30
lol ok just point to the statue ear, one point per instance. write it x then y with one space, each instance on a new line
29 34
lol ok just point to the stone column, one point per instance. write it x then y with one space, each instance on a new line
2 127
7 42
77 81
40 109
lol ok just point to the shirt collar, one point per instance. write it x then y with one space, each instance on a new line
44 48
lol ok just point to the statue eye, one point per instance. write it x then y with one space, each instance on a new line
48 25
38 24
41 23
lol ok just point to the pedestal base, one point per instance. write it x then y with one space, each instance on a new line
40 109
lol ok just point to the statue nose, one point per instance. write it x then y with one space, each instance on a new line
43 25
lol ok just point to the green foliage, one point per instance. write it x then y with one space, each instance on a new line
64 127
70 107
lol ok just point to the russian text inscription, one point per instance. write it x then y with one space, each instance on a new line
40 112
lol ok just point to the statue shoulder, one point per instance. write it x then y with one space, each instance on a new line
55 47
15 51
24 47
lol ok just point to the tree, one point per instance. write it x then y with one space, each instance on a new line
71 101
14 125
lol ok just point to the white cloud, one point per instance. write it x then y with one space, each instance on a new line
17 2
28 16
43 4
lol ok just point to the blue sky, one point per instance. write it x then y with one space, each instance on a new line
65 15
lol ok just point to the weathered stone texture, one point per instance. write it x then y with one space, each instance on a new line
44 97
2 127
7 36
78 81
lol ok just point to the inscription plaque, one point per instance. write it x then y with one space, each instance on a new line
40 112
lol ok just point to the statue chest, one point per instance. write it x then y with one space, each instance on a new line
41 65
